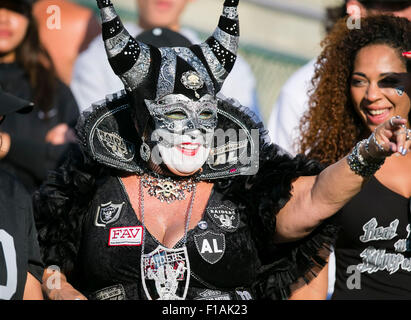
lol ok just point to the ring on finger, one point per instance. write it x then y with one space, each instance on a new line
392 118
408 134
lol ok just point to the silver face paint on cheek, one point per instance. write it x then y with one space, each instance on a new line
400 91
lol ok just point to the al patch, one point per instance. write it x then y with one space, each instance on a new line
107 213
210 246
224 217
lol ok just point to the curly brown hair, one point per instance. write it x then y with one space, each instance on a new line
331 126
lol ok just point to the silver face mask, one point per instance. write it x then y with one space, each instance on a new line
183 129
179 114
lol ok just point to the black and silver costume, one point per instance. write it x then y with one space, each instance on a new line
87 225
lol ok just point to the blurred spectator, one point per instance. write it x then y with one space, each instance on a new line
66 29
93 77
292 101
21 268
34 143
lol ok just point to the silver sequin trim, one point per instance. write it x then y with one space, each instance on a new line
117 43
230 13
188 56
133 77
108 14
219 73
228 41
167 73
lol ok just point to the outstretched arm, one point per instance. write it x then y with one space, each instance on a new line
317 198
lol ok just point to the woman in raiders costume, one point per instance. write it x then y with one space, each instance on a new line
178 194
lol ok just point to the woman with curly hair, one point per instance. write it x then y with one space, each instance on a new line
357 87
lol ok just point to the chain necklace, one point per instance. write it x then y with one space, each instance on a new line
167 189
165 268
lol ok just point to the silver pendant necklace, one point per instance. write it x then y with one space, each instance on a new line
165 273
167 189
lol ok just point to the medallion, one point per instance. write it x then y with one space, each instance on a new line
167 189
165 273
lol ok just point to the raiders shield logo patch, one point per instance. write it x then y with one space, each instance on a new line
224 217
165 273
116 145
210 246
107 213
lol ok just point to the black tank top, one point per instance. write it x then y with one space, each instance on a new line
373 258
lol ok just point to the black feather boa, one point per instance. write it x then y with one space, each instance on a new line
60 205
63 200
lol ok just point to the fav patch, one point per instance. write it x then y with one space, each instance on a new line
115 292
210 246
116 145
126 236
224 217
212 295
108 213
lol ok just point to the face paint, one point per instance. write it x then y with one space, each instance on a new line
393 81
400 90
184 129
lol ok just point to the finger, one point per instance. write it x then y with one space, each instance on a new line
401 138
407 146
394 123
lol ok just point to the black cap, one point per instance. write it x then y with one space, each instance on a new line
10 104
163 37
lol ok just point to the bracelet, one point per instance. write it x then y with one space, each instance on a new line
361 166
377 144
